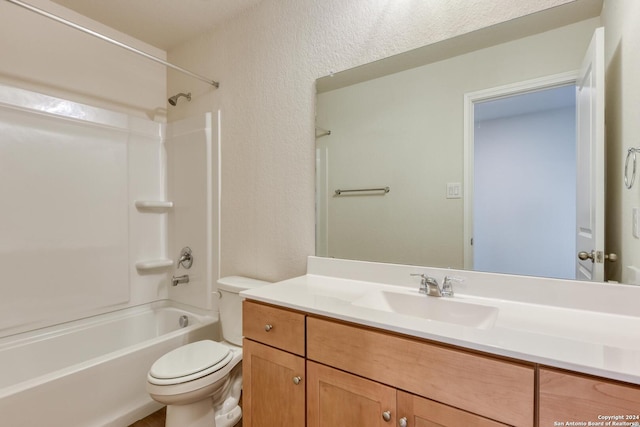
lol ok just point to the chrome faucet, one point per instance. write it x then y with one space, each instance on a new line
429 286
176 280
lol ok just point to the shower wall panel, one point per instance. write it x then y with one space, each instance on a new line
64 209
193 169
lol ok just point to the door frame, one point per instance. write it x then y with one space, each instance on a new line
470 98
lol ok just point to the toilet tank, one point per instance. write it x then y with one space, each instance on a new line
231 305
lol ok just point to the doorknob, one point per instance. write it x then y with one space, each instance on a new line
611 257
583 255
597 256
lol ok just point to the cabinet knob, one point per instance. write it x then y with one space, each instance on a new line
297 380
386 415
402 422
268 327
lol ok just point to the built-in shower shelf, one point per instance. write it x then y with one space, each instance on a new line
153 205
153 264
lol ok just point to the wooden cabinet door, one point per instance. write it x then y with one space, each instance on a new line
339 399
479 384
273 387
566 398
421 412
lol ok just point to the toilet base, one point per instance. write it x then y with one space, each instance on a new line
201 414
197 414
215 405
230 419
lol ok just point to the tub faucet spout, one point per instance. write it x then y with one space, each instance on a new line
176 280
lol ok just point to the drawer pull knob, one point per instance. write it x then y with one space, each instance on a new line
268 327
386 415
402 422
297 380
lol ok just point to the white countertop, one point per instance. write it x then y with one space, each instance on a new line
602 341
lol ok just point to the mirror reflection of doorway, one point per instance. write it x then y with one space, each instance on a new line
524 181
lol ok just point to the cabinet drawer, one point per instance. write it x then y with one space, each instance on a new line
422 412
496 389
568 397
273 326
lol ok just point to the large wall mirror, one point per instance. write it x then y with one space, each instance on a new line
396 180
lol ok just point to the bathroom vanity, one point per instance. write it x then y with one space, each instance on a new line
347 344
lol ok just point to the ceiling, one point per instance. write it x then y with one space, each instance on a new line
526 103
160 23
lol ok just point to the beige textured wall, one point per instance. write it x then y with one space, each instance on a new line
267 60
622 44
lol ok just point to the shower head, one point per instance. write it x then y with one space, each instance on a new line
174 99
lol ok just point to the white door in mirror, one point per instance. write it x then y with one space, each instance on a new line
590 165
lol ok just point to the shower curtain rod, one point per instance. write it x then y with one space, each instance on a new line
112 41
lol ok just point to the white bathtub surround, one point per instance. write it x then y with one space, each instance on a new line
87 228
93 372
193 180
582 326
71 234
85 232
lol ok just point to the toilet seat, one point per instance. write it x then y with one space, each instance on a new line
190 362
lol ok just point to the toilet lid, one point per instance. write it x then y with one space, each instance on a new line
201 356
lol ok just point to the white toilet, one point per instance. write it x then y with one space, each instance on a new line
201 382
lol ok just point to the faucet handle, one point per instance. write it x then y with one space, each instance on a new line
186 258
447 285
423 282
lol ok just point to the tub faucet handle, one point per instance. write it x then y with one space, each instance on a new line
186 258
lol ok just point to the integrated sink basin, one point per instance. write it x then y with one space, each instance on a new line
415 304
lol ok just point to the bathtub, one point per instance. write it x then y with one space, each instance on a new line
92 372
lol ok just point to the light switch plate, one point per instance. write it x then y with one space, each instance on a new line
636 222
454 190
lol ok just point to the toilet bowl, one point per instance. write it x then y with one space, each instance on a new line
201 382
